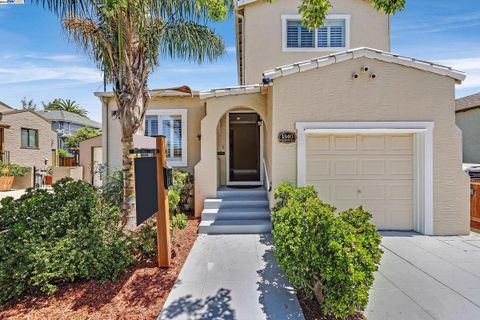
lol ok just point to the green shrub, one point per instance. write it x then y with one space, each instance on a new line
48 238
12 170
330 258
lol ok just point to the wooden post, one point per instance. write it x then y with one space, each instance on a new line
162 215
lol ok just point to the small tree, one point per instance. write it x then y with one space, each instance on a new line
80 135
28 104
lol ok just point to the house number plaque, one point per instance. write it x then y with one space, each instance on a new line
287 137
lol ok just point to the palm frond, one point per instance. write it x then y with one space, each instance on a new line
191 41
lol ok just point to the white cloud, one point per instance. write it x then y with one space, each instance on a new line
29 73
57 57
471 66
439 24
232 49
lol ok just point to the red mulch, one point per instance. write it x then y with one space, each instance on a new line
311 309
139 293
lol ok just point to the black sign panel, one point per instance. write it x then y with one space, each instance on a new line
146 188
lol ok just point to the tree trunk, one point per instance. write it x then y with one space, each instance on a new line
128 206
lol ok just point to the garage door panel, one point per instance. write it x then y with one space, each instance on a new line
372 167
342 143
344 167
401 191
317 167
373 192
372 143
375 171
318 143
345 192
401 143
400 166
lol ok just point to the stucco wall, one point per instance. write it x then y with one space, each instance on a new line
86 160
47 139
207 170
196 111
469 123
263 33
397 94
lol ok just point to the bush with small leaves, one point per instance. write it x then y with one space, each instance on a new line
330 258
53 237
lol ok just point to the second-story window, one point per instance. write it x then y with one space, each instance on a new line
332 36
29 138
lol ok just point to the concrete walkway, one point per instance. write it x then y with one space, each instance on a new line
232 277
14 193
423 277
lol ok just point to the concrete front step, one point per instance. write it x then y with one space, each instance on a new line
226 193
253 202
235 226
236 214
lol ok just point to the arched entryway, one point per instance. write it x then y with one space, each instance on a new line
240 148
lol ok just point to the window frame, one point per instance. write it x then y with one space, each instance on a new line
183 113
37 137
297 17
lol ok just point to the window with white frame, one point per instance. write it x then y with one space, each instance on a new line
334 35
172 123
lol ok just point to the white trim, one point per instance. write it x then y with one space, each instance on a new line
297 17
229 91
175 112
423 158
388 57
227 153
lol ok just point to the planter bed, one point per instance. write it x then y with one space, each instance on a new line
139 293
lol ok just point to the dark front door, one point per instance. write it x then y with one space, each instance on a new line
244 143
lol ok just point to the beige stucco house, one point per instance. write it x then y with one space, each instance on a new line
363 126
467 116
26 137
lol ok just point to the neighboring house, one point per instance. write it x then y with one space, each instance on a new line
26 138
467 115
91 160
363 126
65 123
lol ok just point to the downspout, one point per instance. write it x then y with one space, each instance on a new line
105 133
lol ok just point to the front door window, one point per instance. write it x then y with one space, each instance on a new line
244 145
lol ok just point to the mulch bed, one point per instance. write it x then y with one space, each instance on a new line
311 309
139 293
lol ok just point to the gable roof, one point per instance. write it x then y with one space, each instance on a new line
467 103
65 116
4 105
17 111
286 70
229 91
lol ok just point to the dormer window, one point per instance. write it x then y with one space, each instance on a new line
334 35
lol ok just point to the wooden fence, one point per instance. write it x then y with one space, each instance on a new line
475 205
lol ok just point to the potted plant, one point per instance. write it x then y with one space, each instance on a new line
49 176
8 172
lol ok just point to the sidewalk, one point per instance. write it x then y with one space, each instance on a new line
232 277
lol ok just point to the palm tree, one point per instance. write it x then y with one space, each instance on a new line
125 38
66 105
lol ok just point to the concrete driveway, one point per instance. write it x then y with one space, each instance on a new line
423 277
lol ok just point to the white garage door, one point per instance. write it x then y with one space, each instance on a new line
372 170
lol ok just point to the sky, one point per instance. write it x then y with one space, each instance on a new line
37 60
